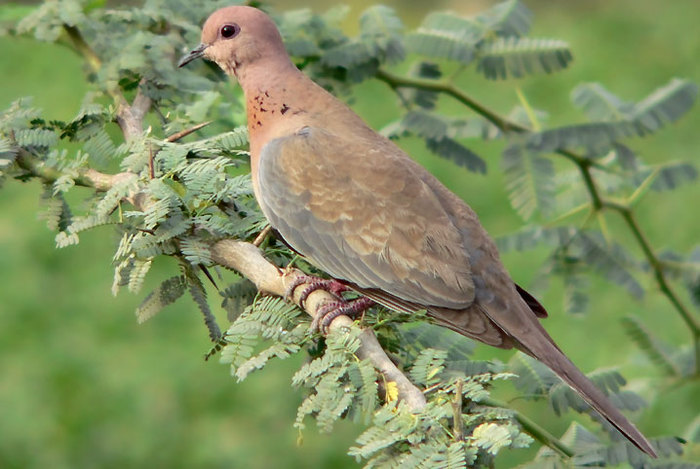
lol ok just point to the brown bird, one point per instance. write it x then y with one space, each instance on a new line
356 206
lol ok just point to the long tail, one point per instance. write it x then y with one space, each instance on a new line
545 350
519 327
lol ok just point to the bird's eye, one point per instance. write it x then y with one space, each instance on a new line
230 30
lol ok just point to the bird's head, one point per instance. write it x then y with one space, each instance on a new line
236 37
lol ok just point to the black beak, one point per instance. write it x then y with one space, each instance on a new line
196 53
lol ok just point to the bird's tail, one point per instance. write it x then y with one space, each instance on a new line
479 322
545 350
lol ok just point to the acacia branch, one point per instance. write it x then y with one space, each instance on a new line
248 260
598 201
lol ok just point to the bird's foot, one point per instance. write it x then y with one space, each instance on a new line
328 312
331 310
332 286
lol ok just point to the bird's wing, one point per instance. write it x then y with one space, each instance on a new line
359 213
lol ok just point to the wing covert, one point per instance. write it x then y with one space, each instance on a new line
358 212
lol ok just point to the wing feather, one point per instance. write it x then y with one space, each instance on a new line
356 212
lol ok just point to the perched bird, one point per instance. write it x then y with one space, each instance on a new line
356 206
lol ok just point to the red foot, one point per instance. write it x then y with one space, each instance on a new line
332 286
328 312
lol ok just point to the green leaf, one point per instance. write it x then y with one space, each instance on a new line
8 153
237 297
196 251
597 137
656 351
457 153
36 138
137 273
427 367
598 103
492 437
380 23
672 175
627 158
166 293
57 212
611 261
516 57
529 181
438 44
533 378
575 298
530 237
199 295
562 397
99 145
509 18
425 124
665 105
424 99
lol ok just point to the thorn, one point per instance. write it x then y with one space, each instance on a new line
208 274
184 133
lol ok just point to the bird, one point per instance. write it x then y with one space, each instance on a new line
358 207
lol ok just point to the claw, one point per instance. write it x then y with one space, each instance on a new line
298 280
331 310
333 287
328 312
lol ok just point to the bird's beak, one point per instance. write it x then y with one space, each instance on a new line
196 53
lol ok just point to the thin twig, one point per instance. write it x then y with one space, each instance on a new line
184 133
457 424
262 235
533 429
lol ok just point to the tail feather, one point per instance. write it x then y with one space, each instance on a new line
545 350
500 326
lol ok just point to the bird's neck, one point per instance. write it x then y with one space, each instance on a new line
273 103
280 100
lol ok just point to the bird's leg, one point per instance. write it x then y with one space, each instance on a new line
328 312
332 286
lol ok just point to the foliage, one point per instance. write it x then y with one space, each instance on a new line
175 199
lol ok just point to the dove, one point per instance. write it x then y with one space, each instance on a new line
359 208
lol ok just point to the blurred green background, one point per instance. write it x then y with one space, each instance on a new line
81 385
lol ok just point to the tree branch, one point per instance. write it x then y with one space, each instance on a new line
248 260
130 117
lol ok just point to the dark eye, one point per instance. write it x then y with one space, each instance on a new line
230 30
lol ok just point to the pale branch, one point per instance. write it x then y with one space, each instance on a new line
184 133
262 236
598 201
248 260
97 180
130 117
